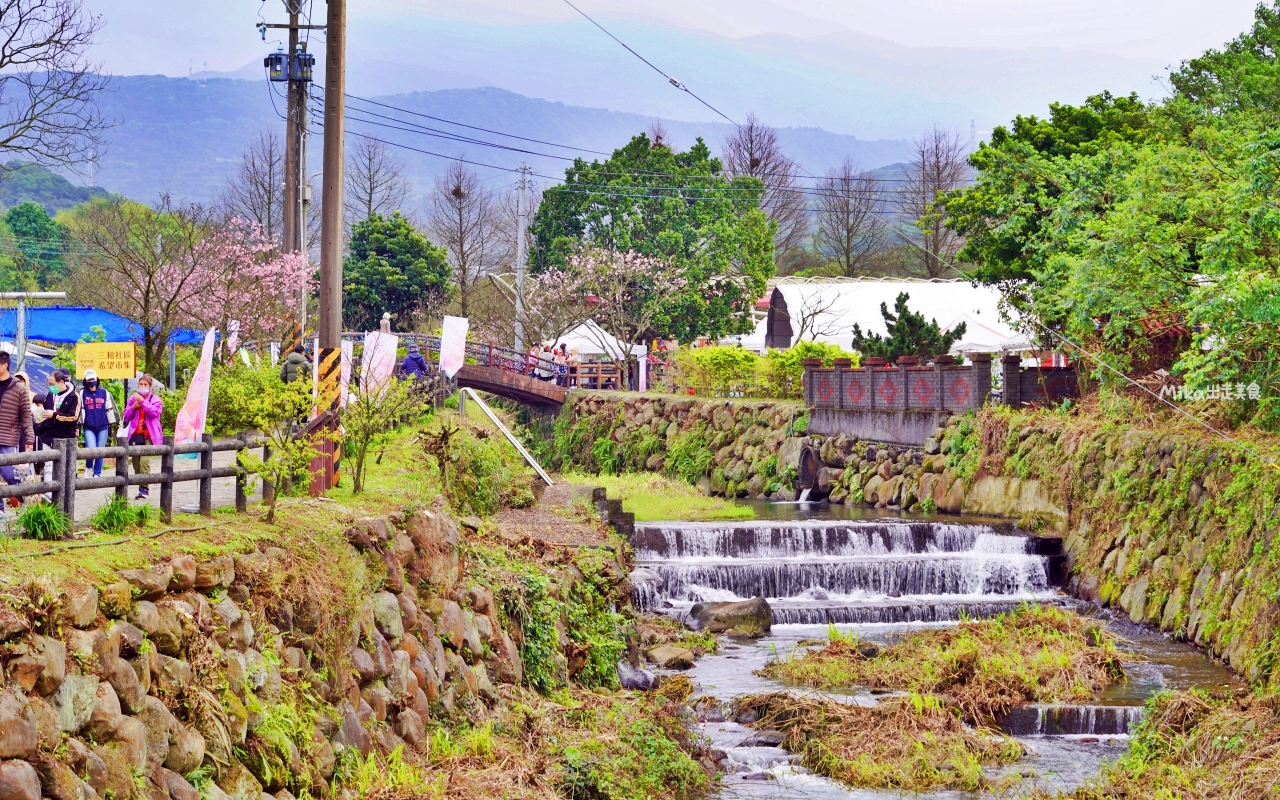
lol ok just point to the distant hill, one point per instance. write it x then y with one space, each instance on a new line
21 183
184 136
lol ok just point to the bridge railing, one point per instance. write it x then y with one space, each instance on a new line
486 355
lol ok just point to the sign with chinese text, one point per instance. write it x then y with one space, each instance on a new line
108 359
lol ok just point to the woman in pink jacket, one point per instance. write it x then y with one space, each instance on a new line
142 425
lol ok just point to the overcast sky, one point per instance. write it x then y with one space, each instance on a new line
168 36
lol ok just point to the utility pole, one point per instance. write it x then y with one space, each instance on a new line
522 226
292 139
330 324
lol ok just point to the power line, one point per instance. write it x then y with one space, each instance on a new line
653 66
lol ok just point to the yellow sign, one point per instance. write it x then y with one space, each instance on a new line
108 359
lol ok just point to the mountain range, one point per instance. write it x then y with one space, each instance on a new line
184 136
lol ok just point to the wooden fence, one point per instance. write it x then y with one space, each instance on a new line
66 454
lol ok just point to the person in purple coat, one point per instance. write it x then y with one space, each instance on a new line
142 425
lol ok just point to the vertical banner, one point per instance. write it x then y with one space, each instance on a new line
453 345
233 336
378 363
344 376
191 417
643 383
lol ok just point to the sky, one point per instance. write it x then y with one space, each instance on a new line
871 68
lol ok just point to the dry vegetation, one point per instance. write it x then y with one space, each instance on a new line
982 668
909 743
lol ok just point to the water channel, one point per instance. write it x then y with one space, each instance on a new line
881 576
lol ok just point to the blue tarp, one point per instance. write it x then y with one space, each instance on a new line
66 324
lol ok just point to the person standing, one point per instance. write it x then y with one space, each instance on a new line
15 418
142 420
97 416
295 366
61 416
414 367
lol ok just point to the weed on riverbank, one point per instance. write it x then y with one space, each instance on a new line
652 497
1034 654
1195 745
910 743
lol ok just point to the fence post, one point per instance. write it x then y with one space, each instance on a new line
1011 366
206 477
68 447
122 471
242 500
166 488
268 489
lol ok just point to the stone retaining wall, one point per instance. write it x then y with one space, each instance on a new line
121 690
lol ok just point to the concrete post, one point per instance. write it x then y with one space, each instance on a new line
1011 367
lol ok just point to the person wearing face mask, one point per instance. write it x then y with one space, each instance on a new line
62 407
142 421
97 417
15 418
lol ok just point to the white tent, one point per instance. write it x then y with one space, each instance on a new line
826 309
592 340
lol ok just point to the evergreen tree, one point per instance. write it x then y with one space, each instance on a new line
909 334
392 267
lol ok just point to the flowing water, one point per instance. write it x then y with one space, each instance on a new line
881 577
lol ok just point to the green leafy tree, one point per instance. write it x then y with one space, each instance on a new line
910 334
371 418
275 412
41 243
678 208
391 267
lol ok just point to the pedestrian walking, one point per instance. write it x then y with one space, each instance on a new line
98 415
26 441
295 366
16 430
414 366
142 426
61 416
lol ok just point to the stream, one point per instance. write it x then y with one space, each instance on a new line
881 575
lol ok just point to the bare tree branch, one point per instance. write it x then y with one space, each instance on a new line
48 87
850 222
375 182
465 219
753 150
256 193
937 167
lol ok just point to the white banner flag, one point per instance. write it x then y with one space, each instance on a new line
378 363
453 345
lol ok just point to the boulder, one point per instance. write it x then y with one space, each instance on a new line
48 726
386 615
239 782
19 733
408 610
184 573
131 740
351 733
12 624
669 656
79 606
641 680
19 781
186 749
114 599
507 665
145 616
436 539
87 764
59 782
52 654
159 724
149 584
130 638
170 675
452 625
177 786
363 665
742 618
124 679
106 719
765 738
75 700
408 726
216 572
168 637
471 636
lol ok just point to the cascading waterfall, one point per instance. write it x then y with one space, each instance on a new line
816 572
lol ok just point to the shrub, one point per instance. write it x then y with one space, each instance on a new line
782 374
718 370
234 390
117 514
478 473
43 521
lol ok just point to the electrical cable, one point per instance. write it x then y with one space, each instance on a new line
653 66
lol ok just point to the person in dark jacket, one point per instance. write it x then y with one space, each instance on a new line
414 366
64 422
97 416
295 366
15 417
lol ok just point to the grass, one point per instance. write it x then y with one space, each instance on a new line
1034 654
43 522
911 743
655 497
1194 745
658 629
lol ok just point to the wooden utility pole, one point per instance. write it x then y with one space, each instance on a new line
292 142
330 327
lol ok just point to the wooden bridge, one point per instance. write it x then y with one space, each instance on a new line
494 369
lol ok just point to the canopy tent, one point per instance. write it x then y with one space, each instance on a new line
591 340
66 324
827 309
